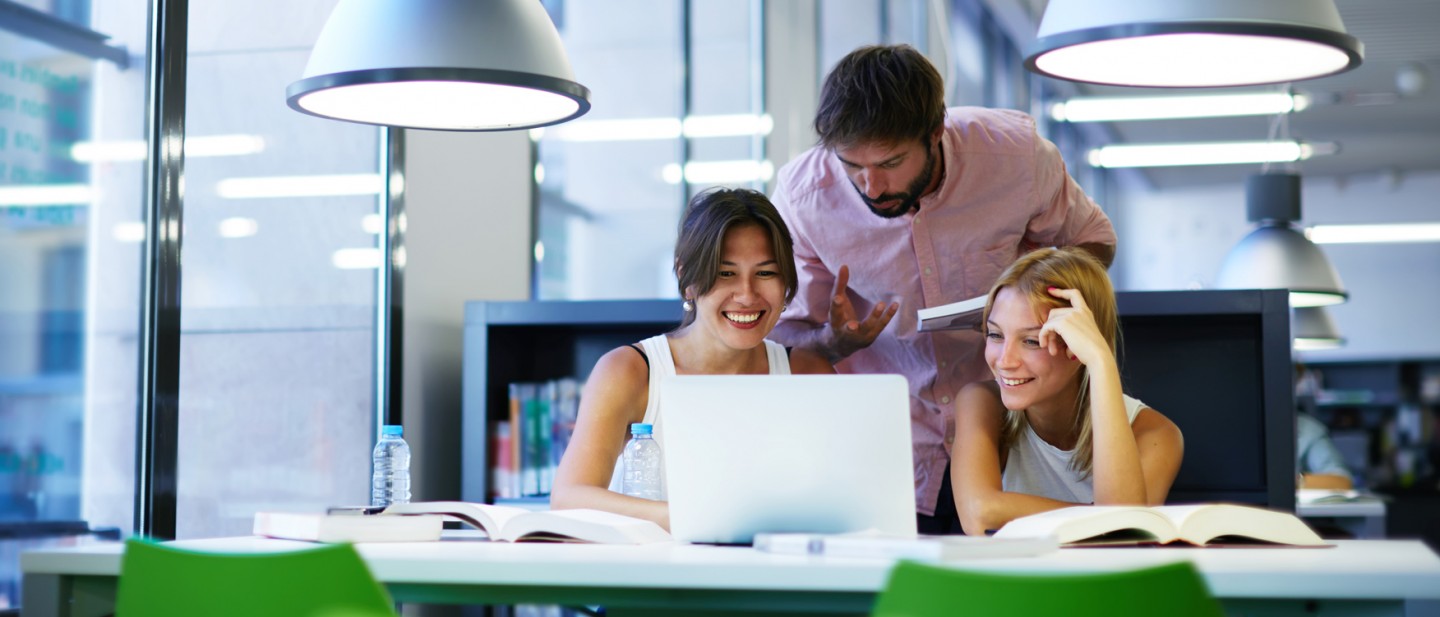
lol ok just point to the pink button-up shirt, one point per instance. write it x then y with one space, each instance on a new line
1005 191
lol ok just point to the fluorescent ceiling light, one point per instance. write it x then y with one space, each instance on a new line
1211 153
358 259
46 195
129 232
1374 234
642 129
719 172
239 227
1111 109
134 150
300 186
1192 43
372 224
491 65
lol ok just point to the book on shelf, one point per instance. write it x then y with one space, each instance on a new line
962 315
321 527
536 431
869 545
1197 525
499 523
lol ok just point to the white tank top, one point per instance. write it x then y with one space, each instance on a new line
1035 467
662 365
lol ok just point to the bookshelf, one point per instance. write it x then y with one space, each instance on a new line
538 340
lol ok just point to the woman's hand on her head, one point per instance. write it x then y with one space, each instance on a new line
1071 330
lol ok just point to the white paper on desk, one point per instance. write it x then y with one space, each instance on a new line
878 546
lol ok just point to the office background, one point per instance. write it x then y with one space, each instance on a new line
281 374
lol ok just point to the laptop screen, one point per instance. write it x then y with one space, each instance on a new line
746 454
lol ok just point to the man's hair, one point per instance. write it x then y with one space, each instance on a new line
710 215
885 94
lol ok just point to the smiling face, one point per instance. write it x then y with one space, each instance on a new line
891 179
745 302
1029 377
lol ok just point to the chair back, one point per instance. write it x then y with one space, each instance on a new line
917 590
331 581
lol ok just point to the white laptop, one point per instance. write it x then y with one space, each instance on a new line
746 454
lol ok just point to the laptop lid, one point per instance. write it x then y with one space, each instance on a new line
746 454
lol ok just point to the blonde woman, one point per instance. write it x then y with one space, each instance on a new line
1054 429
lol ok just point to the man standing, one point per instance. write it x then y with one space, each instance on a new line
903 204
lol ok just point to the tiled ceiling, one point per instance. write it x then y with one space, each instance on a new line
1378 130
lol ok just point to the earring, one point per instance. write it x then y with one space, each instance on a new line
687 305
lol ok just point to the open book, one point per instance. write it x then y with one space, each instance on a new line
884 546
500 523
1199 525
962 315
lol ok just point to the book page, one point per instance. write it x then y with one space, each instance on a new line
580 525
1202 524
486 517
1081 523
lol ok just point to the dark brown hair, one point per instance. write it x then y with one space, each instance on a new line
708 217
885 94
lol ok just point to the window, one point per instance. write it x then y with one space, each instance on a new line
279 283
71 163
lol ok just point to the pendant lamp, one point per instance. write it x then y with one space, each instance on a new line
1275 255
463 65
1192 43
1312 328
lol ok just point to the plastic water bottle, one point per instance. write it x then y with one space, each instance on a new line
643 464
390 483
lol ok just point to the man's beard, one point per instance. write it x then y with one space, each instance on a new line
910 199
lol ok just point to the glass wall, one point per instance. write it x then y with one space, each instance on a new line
677 108
279 282
71 167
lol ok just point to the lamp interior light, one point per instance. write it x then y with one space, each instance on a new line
1192 43
440 64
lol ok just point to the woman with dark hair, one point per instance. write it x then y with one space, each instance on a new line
736 271
1054 429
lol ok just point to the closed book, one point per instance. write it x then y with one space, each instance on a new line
316 527
923 548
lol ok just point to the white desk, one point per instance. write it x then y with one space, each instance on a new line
1362 517
1371 577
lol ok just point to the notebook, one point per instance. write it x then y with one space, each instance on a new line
748 454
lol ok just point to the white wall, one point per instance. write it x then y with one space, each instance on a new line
1176 240
467 204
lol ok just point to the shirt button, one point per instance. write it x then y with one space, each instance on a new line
943 364
927 271
945 399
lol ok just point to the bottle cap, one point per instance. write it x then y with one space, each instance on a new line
641 428
392 430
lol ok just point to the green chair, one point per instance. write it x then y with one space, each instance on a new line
328 581
916 590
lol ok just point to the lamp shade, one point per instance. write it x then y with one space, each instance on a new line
1192 43
1275 255
464 65
1312 328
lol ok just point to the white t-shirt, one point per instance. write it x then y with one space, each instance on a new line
1035 467
662 365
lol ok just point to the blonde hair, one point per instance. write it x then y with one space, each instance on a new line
1064 268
